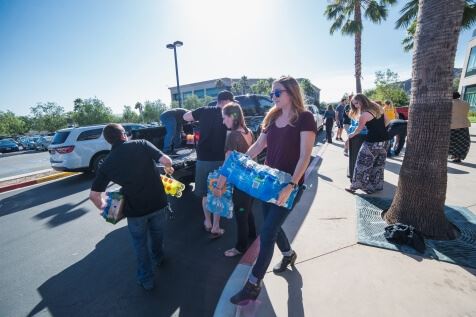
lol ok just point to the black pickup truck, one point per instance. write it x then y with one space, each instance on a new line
183 161
254 108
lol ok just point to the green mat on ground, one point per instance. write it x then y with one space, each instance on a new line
461 251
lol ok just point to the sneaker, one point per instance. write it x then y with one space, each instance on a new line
249 292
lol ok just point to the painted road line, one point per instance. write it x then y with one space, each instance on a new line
239 276
9 178
36 181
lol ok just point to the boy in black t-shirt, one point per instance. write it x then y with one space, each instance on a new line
210 152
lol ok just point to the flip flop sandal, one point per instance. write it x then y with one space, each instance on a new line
207 229
232 252
349 190
216 235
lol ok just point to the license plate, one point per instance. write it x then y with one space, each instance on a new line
8 149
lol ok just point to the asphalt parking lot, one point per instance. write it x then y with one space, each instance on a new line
17 163
60 258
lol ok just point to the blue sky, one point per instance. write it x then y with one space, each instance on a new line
115 49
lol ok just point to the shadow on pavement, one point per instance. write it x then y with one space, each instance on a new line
103 283
395 167
44 193
470 165
63 213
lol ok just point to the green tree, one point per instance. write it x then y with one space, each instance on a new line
219 84
387 88
11 125
420 196
236 88
245 86
347 17
48 116
91 111
193 102
129 115
138 106
262 87
308 91
153 110
409 14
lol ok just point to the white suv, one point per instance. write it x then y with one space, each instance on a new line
82 149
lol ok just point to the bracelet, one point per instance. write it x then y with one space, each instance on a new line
293 184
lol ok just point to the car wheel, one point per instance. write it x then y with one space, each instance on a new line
98 160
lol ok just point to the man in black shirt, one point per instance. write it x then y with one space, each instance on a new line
132 164
173 121
398 128
210 152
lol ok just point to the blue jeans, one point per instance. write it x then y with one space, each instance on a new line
173 132
141 228
271 233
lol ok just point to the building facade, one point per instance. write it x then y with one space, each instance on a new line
210 88
467 83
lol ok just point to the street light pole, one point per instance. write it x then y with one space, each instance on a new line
174 47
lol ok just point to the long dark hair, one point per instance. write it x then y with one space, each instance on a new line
234 111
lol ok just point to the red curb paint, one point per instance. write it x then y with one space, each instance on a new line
16 186
251 254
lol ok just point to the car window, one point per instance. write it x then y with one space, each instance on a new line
60 137
248 105
90 134
265 104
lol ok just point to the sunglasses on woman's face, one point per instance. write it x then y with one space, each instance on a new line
277 93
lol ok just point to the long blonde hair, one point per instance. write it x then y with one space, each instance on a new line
365 105
297 101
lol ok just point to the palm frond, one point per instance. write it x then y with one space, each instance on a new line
351 27
409 13
469 15
337 24
375 12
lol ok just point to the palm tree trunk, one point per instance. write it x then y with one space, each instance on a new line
421 192
358 47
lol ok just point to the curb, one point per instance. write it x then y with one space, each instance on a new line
36 181
241 272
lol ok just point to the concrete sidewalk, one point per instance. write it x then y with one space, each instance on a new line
335 276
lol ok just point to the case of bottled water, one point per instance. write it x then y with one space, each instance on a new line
257 180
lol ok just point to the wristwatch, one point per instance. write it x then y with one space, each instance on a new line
293 184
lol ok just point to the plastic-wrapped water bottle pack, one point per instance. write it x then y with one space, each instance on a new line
257 180
222 205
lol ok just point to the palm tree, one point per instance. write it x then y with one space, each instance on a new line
347 17
420 197
140 107
409 14
219 84
245 86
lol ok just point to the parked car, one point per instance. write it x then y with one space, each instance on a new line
7 145
43 142
317 116
82 148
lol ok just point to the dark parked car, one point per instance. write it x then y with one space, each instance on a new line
254 108
8 146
